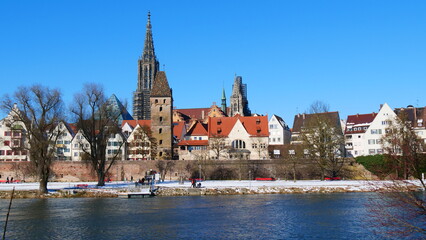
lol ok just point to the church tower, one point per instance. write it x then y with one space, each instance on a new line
239 102
162 116
147 69
223 107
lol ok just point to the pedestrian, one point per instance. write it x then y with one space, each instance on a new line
193 182
131 178
11 180
7 180
143 181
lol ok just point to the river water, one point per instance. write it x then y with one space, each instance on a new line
297 216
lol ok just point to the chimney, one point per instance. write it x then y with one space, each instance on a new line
381 105
202 114
303 116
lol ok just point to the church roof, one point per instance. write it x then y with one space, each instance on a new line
118 109
256 126
160 87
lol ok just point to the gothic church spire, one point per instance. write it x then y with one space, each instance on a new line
147 69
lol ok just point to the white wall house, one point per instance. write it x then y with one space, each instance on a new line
244 137
13 140
64 141
279 132
363 137
139 145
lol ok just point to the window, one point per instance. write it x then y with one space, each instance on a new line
76 154
238 144
379 151
254 145
160 130
1 152
371 141
161 109
156 100
161 119
160 142
7 143
16 143
8 152
7 133
376 131
262 145
371 151
164 100
279 140
16 134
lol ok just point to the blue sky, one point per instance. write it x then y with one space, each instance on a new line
353 55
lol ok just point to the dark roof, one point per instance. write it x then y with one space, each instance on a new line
361 120
414 115
160 87
300 120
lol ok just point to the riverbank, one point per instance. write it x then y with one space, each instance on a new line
174 188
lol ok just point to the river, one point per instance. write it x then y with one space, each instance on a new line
297 216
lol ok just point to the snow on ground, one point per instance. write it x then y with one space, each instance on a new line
301 184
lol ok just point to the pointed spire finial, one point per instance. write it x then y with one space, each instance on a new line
148 24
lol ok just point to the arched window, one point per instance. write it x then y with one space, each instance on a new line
160 130
156 100
161 119
161 109
238 144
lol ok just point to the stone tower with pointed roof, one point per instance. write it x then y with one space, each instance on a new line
147 69
161 116
239 102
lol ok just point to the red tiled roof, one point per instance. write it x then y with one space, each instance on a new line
254 125
193 143
178 128
133 123
361 120
198 129
196 113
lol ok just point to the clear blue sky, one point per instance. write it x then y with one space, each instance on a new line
353 55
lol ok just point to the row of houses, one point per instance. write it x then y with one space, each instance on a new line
207 133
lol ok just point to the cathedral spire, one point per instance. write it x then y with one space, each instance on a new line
147 69
148 50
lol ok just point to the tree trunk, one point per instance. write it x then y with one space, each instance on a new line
44 172
101 177
43 184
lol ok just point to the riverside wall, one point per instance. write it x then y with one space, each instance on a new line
126 170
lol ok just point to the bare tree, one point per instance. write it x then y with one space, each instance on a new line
164 167
97 121
401 208
39 109
323 140
404 148
217 146
318 107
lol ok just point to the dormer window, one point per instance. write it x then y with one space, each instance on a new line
219 122
258 121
